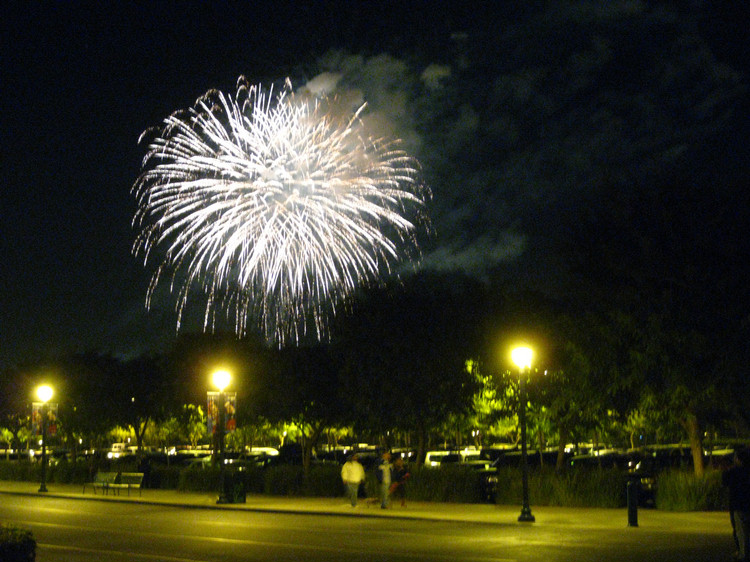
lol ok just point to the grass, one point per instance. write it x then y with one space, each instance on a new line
683 491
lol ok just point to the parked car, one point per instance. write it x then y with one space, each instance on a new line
435 458
472 461
432 459
337 456
495 451
57 455
186 458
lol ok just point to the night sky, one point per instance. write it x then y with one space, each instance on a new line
80 82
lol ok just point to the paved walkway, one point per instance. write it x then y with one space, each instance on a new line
588 518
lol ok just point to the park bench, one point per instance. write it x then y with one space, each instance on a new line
128 480
103 480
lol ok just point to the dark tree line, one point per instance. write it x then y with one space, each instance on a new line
397 363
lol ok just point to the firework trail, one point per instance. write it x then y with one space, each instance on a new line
274 207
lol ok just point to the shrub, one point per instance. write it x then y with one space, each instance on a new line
284 480
163 477
445 484
574 488
509 486
586 488
199 479
16 545
324 480
372 486
680 490
66 472
253 479
20 470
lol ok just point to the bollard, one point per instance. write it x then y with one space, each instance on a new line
633 486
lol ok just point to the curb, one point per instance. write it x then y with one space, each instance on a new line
374 514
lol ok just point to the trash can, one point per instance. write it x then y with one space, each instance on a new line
234 487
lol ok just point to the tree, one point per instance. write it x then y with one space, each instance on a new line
88 408
302 389
491 411
145 394
16 394
579 382
404 347
662 266
103 392
193 424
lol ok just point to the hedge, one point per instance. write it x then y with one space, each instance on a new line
448 484
571 488
16 544
684 491
596 487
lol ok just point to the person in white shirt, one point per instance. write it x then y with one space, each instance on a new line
384 477
352 473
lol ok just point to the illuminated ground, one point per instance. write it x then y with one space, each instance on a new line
171 526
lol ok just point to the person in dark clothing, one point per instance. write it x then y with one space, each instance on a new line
737 479
400 475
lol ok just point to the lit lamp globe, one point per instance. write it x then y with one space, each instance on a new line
522 357
221 379
44 393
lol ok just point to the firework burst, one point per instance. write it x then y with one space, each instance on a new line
273 207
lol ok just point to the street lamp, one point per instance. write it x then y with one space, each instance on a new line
221 380
44 393
522 358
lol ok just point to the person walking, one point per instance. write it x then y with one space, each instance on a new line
352 473
400 475
384 477
737 479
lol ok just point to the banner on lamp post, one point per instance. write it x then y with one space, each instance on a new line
36 418
212 411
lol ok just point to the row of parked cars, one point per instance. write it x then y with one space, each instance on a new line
645 464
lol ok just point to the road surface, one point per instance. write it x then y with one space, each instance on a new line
75 530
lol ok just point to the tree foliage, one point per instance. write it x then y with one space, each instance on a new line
404 348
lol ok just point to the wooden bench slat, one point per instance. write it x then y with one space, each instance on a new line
130 480
103 480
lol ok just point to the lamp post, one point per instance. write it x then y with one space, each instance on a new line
44 393
221 381
522 358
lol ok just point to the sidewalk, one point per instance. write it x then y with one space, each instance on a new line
588 518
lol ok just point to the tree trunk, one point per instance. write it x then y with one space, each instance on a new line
541 441
421 441
139 428
596 449
692 428
561 448
307 446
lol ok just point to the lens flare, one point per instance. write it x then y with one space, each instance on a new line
273 207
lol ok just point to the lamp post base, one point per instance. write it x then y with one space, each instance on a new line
526 516
43 488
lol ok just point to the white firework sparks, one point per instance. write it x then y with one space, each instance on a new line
274 206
